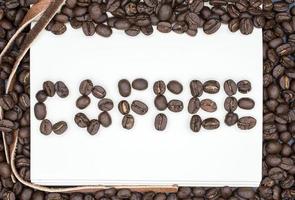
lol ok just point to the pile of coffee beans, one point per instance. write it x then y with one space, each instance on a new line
277 22
40 110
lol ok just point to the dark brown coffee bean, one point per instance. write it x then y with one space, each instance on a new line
5 171
105 104
41 96
99 92
88 28
196 6
128 121
49 88
208 105
230 104
60 127
24 101
6 125
175 105
244 86
81 120
93 127
58 28
196 88
139 107
165 12
124 107
164 27
246 103
122 24
246 26
234 24
210 123
61 89
211 87
211 26
124 88
45 127
40 111
161 102
86 87
231 119
246 123
196 123
105 119
175 87
140 84
95 11
194 105
82 102
159 87
230 87
160 122
103 30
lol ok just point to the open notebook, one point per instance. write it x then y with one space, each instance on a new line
144 156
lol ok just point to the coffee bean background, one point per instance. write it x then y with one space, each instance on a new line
276 19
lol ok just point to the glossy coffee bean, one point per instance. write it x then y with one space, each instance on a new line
139 84
194 105
40 111
61 89
196 88
175 87
124 107
159 87
208 105
231 119
105 104
139 107
175 105
244 86
230 87
82 102
49 88
230 104
105 119
98 91
93 127
81 120
128 121
46 127
211 26
124 88
160 122
59 127
6 125
246 123
86 87
41 96
195 123
211 87
246 103
161 102
210 123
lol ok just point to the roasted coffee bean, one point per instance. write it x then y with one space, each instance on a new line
230 104
161 102
194 105
49 88
45 127
124 88
139 107
41 96
164 27
160 122
231 119
211 87
230 87
246 123
246 103
128 121
210 123
196 88
105 119
234 24
211 26
60 127
81 120
99 92
124 107
88 28
246 26
175 87
93 127
196 123
5 171
24 101
244 86
208 105
95 11
105 104
86 87
82 102
58 28
175 105
61 89
40 111
103 30
165 12
6 125
122 24
140 84
159 87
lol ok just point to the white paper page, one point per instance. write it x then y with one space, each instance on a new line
226 156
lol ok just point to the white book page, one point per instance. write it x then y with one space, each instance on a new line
144 156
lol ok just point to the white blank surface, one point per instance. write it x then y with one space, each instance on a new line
144 156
